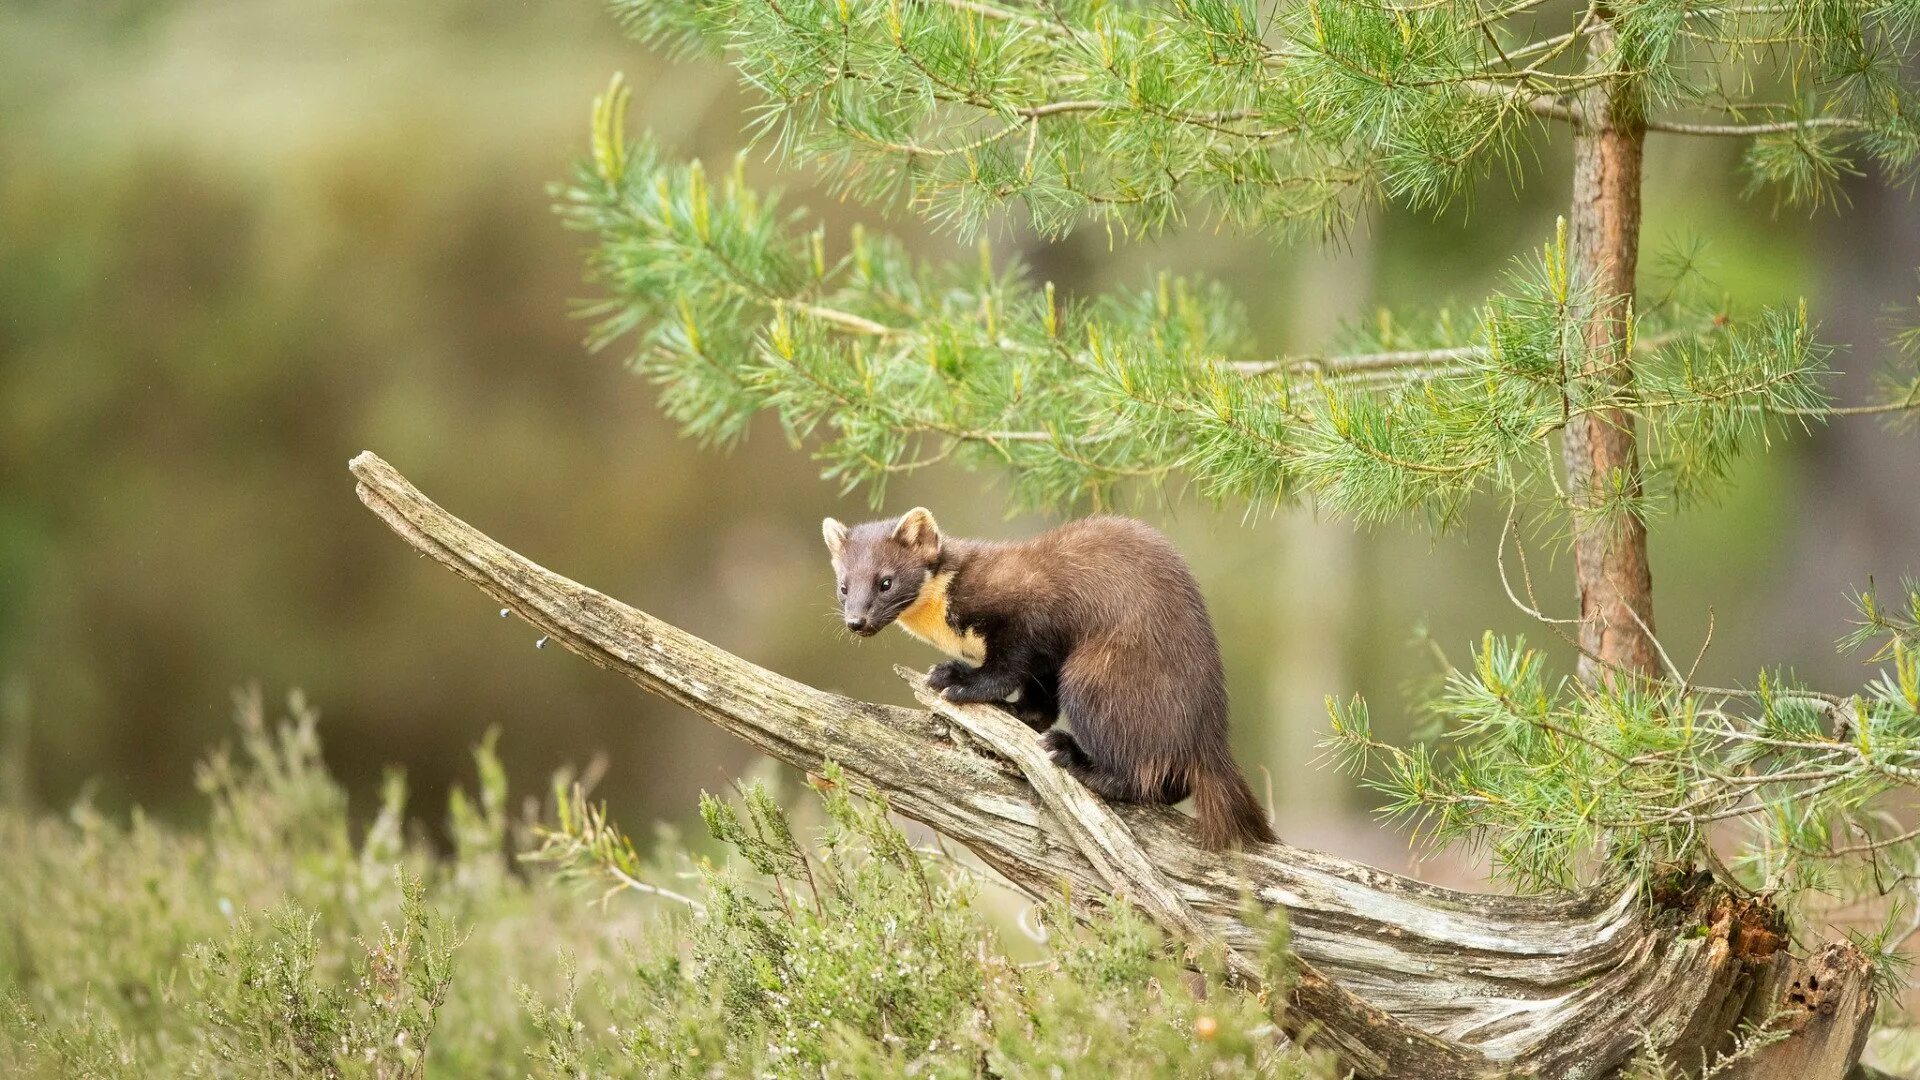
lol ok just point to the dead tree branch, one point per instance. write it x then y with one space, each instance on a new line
1402 979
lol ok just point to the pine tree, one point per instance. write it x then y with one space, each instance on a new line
1585 395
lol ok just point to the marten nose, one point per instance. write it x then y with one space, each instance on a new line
856 623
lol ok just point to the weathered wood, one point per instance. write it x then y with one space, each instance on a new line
1403 979
1826 1000
1366 1037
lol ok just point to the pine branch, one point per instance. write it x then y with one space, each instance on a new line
1547 772
890 365
1284 118
1453 358
1749 130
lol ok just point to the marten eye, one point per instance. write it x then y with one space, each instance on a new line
843 590
886 583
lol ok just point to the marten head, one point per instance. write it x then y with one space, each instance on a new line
881 566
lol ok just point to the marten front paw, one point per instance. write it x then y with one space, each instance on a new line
949 674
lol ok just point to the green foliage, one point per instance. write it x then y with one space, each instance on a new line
281 941
1283 116
1256 115
266 1009
1794 795
867 956
1559 779
1891 632
893 365
278 939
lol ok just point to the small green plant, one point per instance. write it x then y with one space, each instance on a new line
1547 772
268 1008
282 940
868 956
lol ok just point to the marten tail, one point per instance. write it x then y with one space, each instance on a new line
1229 814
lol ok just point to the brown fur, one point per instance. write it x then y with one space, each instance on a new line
1098 619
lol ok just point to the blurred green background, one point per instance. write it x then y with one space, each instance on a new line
241 240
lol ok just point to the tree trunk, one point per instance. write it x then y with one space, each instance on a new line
1602 461
1404 980
1826 1000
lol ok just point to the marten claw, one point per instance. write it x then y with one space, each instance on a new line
944 676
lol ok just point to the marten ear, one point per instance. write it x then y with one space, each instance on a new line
836 537
917 530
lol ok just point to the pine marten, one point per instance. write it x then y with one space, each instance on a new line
1099 620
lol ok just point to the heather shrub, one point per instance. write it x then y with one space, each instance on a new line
286 937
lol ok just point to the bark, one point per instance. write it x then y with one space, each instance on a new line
1826 1001
1402 979
1599 451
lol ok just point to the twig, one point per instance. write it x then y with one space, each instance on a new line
637 885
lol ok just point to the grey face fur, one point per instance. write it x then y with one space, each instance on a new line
880 567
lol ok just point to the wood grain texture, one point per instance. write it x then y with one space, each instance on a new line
1405 980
